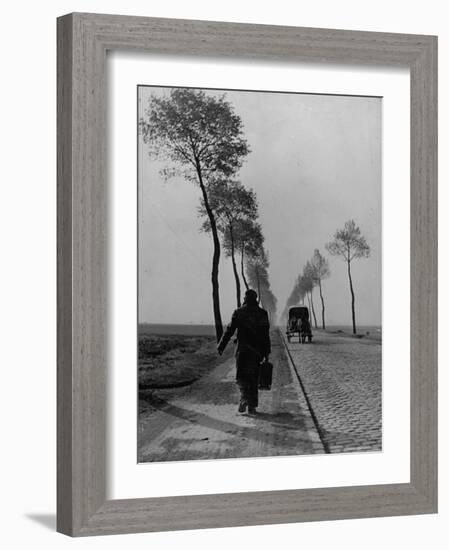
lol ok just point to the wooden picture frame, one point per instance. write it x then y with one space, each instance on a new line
83 40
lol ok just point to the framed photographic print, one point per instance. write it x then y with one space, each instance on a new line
247 285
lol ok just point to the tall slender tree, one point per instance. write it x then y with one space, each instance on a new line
202 137
257 267
349 244
309 281
232 204
295 295
249 241
320 271
299 293
302 288
269 302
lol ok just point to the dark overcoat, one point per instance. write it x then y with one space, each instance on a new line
253 335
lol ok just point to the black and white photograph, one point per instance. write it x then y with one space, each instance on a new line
259 274
220 274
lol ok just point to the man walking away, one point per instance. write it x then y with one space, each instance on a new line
253 346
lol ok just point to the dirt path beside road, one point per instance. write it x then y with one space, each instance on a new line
201 420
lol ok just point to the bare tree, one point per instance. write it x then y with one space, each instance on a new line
203 137
320 271
349 244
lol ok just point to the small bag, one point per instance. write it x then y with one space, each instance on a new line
265 375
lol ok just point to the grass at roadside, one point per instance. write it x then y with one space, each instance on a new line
171 361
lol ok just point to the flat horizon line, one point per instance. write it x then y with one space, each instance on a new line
212 324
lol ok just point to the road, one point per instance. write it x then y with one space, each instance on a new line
342 377
325 397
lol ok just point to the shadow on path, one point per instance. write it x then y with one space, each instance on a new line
284 421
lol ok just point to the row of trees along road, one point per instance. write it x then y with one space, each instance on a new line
348 244
202 139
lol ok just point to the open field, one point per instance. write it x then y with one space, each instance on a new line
182 330
174 360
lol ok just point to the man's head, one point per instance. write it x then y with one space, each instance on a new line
250 296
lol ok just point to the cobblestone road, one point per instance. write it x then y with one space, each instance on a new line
343 379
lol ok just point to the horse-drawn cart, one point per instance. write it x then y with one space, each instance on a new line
298 323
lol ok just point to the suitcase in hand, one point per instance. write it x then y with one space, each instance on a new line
265 375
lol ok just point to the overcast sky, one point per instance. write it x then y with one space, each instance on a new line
315 162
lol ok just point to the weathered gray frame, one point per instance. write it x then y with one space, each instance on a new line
83 40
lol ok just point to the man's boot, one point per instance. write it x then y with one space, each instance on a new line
242 406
